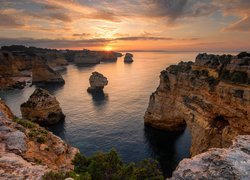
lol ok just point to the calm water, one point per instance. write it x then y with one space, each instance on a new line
114 119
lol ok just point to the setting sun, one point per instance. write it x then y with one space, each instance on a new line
108 48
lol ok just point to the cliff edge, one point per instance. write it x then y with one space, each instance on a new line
28 151
210 96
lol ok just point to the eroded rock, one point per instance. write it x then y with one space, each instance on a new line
197 95
128 58
42 108
226 163
97 82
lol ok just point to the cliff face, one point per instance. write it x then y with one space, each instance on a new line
211 96
226 163
42 73
27 151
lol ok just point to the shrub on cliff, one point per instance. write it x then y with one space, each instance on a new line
109 166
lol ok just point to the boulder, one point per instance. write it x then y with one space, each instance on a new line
42 108
128 58
42 73
225 163
97 82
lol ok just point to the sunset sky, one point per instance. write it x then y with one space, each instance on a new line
173 25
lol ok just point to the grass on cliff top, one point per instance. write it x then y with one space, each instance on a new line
108 166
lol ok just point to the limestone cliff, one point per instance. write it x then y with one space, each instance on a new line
27 151
211 96
216 163
42 108
42 73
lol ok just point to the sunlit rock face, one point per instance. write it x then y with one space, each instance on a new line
97 82
42 73
55 60
211 96
128 58
216 163
42 108
28 151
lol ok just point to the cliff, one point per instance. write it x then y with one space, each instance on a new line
226 163
42 73
28 151
210 96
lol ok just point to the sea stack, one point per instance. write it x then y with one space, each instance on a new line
42 108
97 82
128 58
210 96
42 73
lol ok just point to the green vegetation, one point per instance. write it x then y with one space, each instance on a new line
24 123
108 166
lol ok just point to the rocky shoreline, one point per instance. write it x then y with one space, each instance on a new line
22 66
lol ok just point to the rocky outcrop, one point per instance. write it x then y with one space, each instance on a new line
42 108
55 60
226 163
210 96
87 57
42 73
97 82
128 58
28 151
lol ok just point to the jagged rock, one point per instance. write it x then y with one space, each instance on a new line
231 163
42 108
213 104
23 156
128 58
97 82
42 73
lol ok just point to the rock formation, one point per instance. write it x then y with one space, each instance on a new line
128 58
87 57
28 151
42 108
211 96
97 82
42 73
227 163
56 60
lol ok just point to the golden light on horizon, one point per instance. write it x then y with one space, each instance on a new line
108 48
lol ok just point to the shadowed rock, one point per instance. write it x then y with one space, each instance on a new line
128 58
42 108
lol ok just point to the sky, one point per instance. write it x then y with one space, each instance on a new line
122 25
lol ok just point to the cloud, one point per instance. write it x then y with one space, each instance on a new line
80 35
242 25
67 43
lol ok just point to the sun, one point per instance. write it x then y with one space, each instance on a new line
108 48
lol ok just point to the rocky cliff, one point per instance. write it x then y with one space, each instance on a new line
210 96
42 108
27 151
226 163
42 73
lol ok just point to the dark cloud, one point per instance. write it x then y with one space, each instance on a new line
82 34
65 43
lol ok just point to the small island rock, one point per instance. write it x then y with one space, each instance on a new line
128 58
97 82
42 108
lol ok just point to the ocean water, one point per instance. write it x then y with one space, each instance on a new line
114 119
